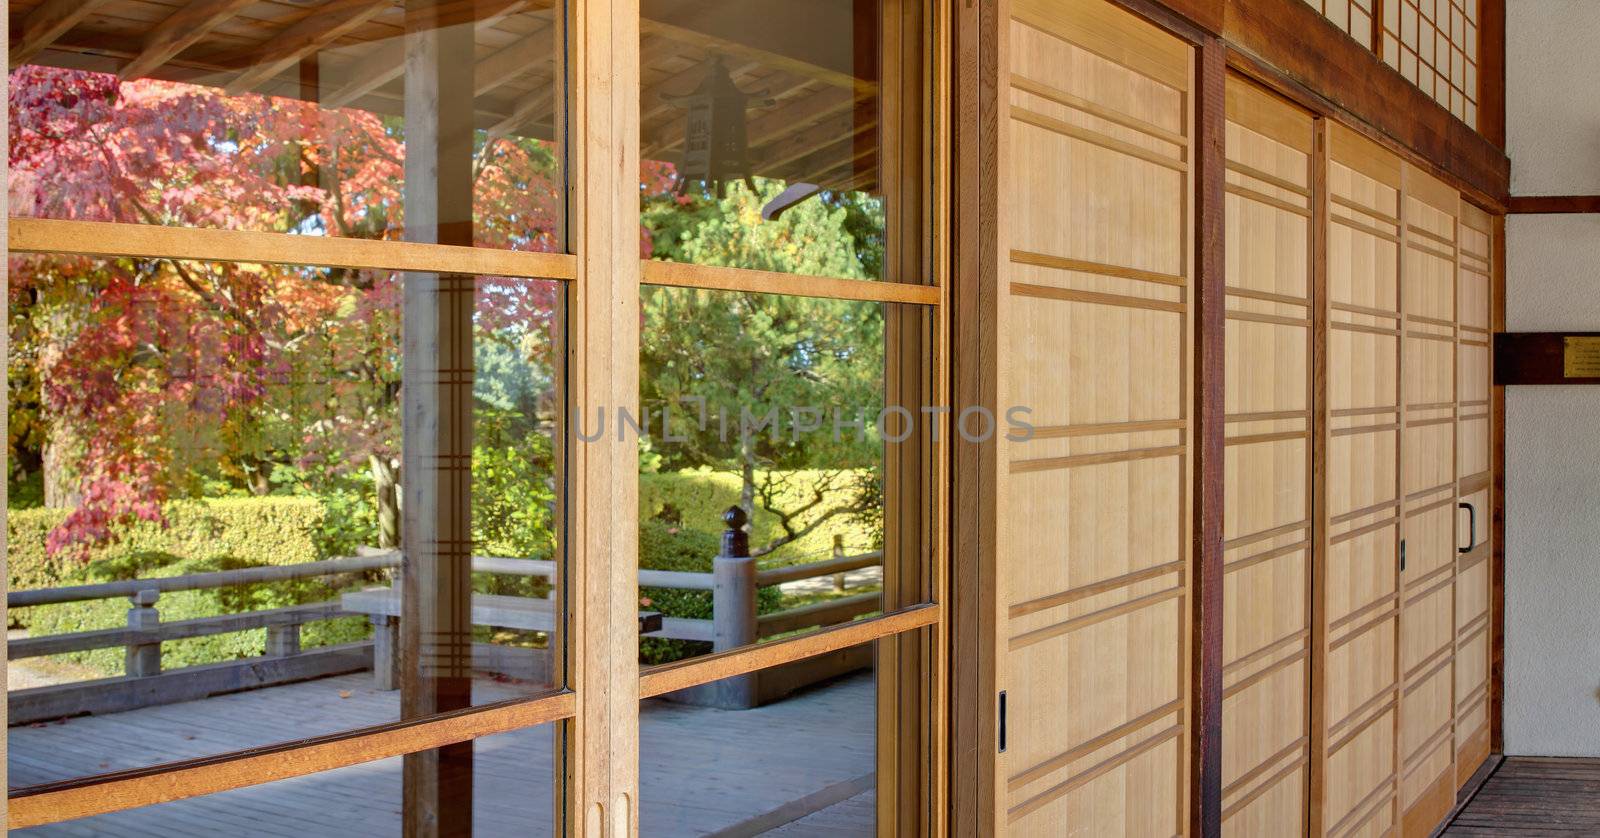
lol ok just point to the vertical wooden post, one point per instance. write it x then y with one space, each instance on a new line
1210 279
838 553
436 388
1316 682
283 641
385 652
975 311
143 659
601 741
733 608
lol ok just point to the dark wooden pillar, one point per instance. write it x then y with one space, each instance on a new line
1205 662
436 531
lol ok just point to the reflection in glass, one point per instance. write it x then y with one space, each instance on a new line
512 793
233 454
309 119
764 135
769 406
803 763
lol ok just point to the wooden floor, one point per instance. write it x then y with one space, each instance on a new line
1532 796
804 765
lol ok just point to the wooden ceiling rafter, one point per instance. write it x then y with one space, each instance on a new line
803 109
45 23
305 38
183 29
662 130
385 61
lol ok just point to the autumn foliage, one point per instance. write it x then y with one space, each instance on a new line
157 378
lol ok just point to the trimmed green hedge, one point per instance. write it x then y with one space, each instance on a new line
665 547
200 537
700 497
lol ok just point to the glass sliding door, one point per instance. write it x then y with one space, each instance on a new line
288 493
789 416
493 417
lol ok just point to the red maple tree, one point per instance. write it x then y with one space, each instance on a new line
163 373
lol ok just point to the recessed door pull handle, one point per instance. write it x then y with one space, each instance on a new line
1472 527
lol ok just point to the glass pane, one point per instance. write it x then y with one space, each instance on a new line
772 429
322 118
775 136
306 500
802 763
511 791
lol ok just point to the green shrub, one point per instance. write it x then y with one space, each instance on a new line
701 496
264 531
665 547
201 537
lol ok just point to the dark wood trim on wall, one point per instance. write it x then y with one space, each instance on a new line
1294 42
1492 71
1205 645
1534 358
1497 500
1317 681
1552 204
1293 49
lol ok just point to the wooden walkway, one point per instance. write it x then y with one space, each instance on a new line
803 766
1533 796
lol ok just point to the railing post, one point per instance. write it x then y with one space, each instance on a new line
733 607
283 641
838 553
143 659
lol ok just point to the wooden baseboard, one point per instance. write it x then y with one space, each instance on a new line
1432 809
1470 788
1472 756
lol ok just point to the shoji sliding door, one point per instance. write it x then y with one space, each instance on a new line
1267 513
1427 477
1406 591
1360 598
1096 268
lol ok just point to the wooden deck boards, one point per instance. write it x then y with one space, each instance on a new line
1534 796
702 770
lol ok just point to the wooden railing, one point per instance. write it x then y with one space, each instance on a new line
734 583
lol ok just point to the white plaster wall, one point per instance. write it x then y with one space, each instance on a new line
1553 96
1553 433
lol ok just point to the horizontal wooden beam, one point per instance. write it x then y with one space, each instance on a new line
72 799
666 678
774 282
1546 358
1289 46
1552 204
107 239
1274 40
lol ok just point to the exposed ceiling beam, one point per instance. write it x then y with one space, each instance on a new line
776 155
734 49
386 61
47 22
532 105
306 37
513 61
784 119
181 30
